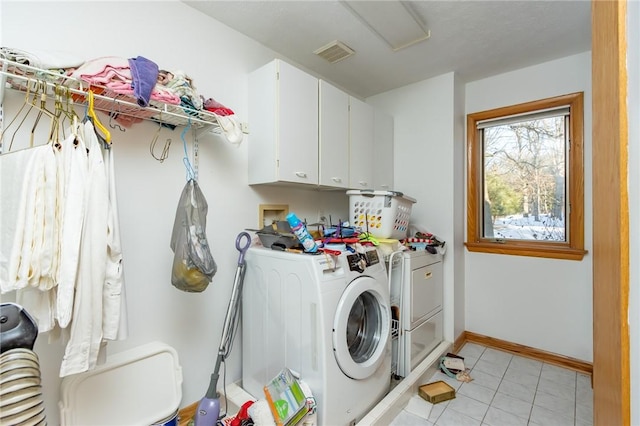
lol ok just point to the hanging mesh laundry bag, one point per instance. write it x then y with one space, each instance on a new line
193 264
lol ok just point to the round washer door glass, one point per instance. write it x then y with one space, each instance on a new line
361 328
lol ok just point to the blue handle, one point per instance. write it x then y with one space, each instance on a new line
242 248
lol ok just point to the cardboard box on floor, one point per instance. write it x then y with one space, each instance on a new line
436 392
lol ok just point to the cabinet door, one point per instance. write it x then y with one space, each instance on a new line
262 140
283 110
297 128
360 144
334 136
382 151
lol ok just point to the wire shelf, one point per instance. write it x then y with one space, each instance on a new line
25 78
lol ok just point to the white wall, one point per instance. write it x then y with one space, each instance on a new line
633 68
542 303
218 59
428 165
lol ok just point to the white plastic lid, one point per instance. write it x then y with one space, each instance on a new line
139 386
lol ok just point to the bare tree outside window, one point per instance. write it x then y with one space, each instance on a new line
524 179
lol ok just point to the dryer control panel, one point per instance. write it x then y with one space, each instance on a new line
358 262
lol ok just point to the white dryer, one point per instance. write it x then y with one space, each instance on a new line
416 283
324 317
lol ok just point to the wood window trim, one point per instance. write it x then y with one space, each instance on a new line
572 249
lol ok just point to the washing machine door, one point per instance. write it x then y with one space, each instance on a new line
361 327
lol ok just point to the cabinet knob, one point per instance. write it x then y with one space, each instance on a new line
301 175
336 179
363 183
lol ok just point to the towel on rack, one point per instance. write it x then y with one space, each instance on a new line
144 73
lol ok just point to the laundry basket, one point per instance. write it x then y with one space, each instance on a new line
384 214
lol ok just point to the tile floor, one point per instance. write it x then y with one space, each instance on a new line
507 390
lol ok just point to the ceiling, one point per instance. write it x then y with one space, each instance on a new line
476 39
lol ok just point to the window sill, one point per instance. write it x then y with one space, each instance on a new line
524 249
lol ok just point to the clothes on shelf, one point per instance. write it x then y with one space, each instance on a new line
130 90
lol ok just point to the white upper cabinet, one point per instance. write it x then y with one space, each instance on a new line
283 112
382 151
333 136
361 167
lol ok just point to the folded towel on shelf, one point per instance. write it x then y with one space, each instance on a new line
45 59
115 74
145 75
109 71
216 107
99 66
182 86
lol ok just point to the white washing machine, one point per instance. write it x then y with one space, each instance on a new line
324 317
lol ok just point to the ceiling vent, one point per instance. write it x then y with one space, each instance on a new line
335 51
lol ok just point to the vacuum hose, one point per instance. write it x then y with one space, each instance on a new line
21 399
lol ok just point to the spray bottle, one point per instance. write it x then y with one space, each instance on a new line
299 228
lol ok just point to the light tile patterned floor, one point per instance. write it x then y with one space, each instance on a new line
507 390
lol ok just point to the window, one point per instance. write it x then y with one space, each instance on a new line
525 191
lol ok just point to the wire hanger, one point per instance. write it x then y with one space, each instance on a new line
26 102
191 175
165 150
113 114
42 110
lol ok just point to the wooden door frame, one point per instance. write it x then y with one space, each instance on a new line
611 382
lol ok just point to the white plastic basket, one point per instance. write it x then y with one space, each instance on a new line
384 214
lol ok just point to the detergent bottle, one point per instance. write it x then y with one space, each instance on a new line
300 230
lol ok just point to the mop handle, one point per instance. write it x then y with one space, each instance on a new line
230 317
242 249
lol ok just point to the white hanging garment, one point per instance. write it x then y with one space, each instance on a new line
31 265
40 305
14 181
75 160
45 242
114 324
24 258
82 349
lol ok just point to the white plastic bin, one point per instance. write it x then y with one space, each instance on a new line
384 214
140 386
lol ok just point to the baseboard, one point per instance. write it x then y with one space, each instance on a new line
459 342
187 413
528 352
